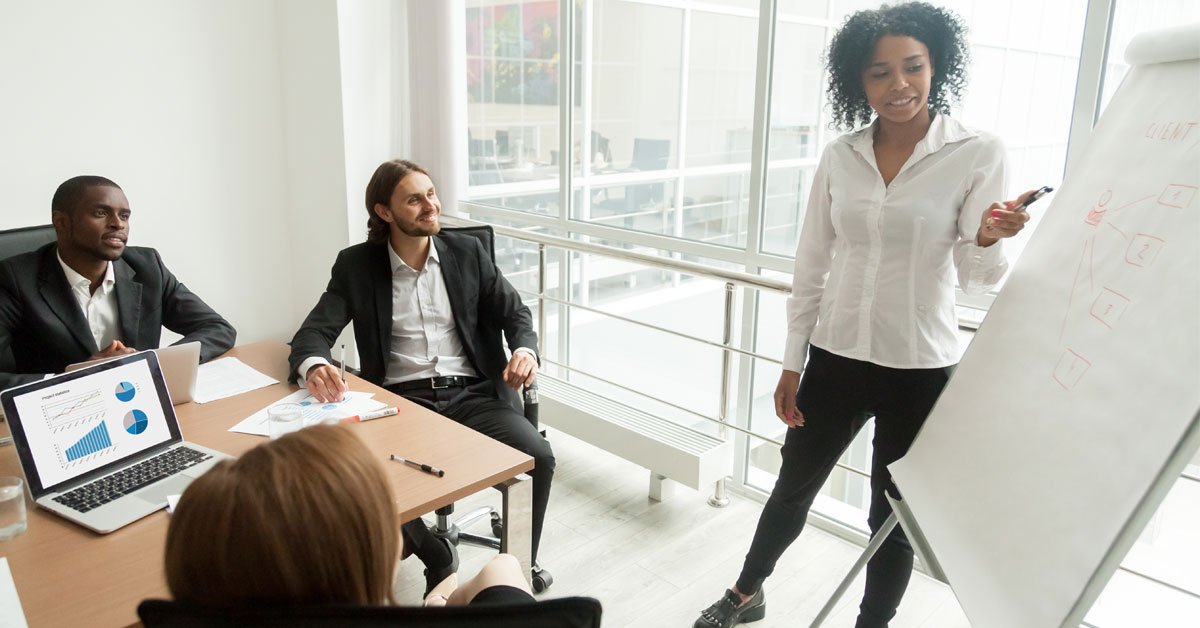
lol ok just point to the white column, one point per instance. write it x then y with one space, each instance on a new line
437 95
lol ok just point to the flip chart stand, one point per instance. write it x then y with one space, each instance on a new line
900 515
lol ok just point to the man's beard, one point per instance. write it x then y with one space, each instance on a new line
417 230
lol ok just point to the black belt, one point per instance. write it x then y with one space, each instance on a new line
433 383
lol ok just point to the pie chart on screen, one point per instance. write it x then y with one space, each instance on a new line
135 422
125 391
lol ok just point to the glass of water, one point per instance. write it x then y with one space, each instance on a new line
12 507
284 418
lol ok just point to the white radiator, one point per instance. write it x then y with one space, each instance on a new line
665 448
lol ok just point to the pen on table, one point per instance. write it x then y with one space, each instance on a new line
378 414
424 467
343 366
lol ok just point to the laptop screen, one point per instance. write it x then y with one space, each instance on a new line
99 417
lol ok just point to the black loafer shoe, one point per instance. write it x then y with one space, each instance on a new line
725 612
435 576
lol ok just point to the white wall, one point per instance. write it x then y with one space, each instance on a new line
313 147
370 66
221 119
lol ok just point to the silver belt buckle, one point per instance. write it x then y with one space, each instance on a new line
433 384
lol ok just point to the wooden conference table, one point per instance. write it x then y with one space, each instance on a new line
67 575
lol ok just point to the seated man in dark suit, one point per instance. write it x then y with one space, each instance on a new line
428 313
89 296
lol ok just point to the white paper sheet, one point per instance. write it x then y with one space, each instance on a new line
227 377
1044 452
11 615
314 411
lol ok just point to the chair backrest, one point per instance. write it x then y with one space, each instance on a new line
487 237
25 239
567 612
502 149
484 233
650 154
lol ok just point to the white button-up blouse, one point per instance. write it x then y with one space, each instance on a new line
875 266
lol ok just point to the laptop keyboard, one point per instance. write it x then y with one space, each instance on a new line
123 482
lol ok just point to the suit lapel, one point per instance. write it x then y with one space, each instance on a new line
381 273
129 302
53 286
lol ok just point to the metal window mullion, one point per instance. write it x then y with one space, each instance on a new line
760 136
685 68
585 95
566 79
1089 81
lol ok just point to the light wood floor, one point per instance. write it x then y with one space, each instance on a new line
657 564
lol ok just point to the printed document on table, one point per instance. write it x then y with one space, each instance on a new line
11 615
227 377
314 411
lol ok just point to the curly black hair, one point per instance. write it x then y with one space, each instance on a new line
940 30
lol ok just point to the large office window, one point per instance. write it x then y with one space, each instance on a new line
512 103
661 109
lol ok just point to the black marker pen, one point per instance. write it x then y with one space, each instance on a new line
1042 191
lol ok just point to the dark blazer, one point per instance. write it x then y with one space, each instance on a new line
42 328
484 304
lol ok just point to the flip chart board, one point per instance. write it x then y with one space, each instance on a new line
1052 443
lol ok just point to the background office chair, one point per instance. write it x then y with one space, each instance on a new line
567 612
482 161
452 530
17 241
648 154
25 239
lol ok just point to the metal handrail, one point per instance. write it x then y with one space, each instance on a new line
717 345
649 259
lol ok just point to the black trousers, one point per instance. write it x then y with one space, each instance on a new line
478 408
837 395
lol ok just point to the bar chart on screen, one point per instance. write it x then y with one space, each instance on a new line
95 441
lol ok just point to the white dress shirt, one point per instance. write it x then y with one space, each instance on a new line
100 308
425 341
875 266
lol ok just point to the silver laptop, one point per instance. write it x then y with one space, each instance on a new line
180 364
101 445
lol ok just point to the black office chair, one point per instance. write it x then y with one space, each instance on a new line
18 241
25 239
567 612
453 530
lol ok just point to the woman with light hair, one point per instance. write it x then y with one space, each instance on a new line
309 518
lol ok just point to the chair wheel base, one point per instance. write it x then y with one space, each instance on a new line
541 579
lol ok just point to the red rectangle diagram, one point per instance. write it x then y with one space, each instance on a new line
1108 307
1142 250
1177 195
1070 369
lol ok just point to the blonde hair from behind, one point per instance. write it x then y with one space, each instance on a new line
306 519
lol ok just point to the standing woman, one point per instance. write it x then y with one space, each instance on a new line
896 208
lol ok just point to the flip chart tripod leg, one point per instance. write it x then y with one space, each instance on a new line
872 547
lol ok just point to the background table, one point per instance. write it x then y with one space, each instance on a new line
67 575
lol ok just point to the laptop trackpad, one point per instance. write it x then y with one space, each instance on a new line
157 493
